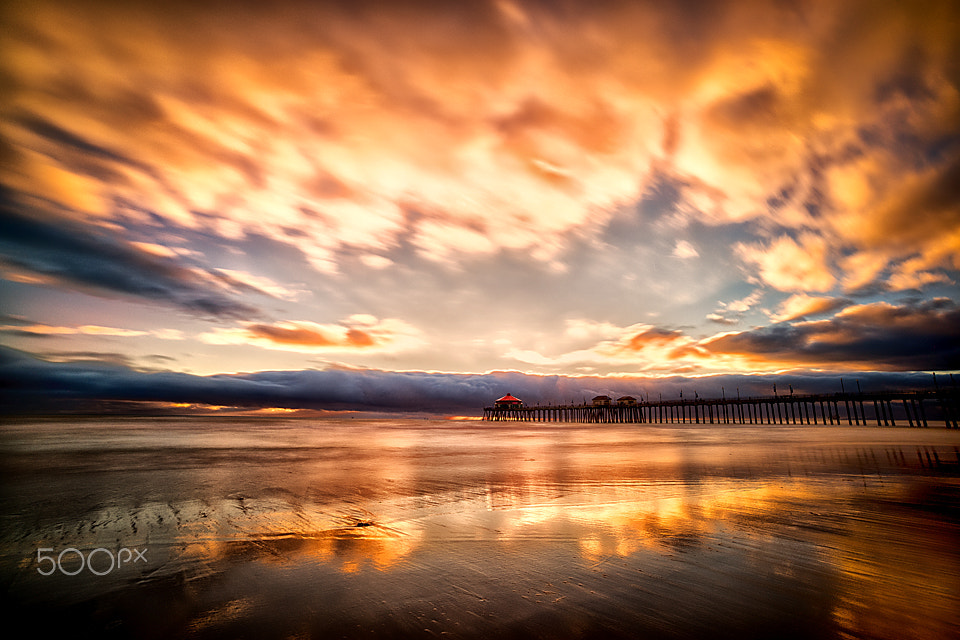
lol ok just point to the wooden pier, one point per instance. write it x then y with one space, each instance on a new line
885 408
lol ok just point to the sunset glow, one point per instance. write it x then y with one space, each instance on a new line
425 190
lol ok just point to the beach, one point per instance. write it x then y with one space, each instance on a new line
392 528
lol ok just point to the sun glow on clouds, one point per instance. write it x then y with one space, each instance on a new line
640 347
241 279
338 123
891 337
801 304
357 333
791 265
91 330
810 147
353 155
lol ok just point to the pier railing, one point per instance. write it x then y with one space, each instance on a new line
883 408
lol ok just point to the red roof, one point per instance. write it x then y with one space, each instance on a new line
508 398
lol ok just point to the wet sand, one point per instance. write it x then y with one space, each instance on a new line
422 528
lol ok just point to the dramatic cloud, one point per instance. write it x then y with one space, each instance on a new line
904 219
918 336
909 337
501 124
588 187
59 251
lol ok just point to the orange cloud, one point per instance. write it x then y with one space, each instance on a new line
293 334
359 332
652 336
475 127
801 304
900 222
874 336
90 330
792 265
646 346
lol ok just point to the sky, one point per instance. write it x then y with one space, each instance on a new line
421 204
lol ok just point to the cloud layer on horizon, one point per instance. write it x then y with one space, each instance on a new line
36 386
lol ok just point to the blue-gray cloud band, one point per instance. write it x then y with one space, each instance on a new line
82 256
32 385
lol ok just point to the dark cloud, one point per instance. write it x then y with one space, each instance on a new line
914 336
82 255
23 333
94 358
73 141
8 319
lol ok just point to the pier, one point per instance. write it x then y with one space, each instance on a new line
882 409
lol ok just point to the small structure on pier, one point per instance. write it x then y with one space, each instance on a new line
508 402
602 401
626 401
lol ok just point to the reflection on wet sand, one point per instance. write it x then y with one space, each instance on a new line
407 528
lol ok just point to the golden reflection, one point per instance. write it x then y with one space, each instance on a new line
906 576
882 578
747 523
623 529
227 612
352 553
350 549
864 534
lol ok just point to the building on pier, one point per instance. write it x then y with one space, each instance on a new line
508 402
626 401
602 401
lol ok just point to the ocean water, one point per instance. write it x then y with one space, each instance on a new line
297 528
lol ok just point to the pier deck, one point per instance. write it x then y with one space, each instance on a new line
885 408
